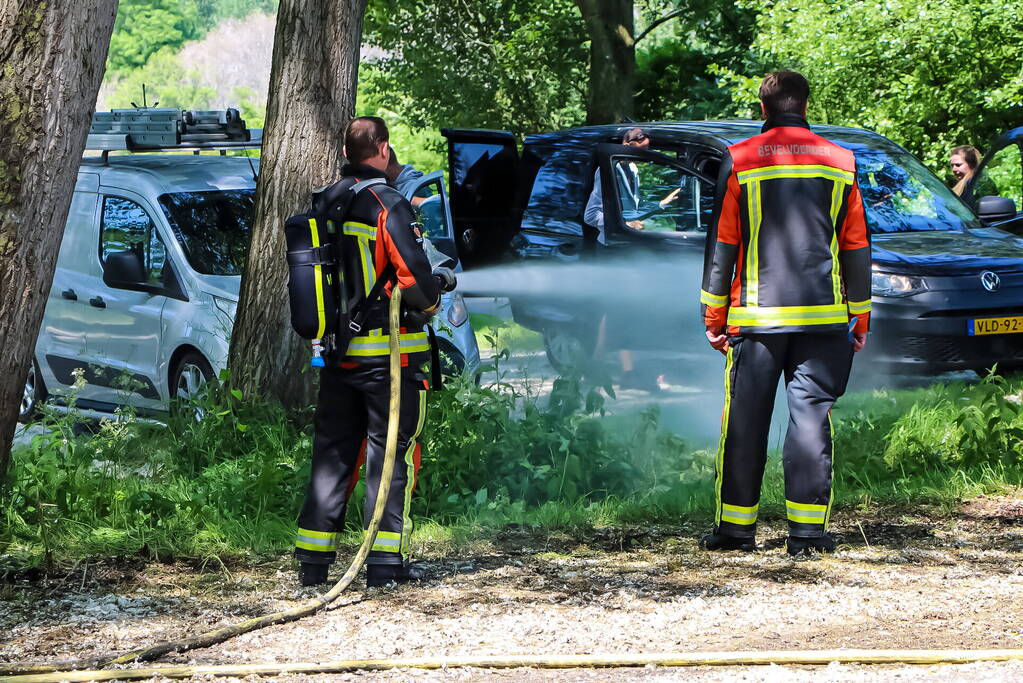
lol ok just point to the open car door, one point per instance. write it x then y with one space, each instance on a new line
430 202
995 191
652 199
483 169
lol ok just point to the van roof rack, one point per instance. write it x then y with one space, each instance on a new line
164 130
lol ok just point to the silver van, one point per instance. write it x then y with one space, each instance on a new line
147 280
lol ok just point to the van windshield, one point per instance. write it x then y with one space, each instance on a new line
213 227
900 195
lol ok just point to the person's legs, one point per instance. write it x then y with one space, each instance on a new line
392 543
753 366
816 373
340 425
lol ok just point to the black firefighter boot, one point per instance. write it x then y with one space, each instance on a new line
385 574
718 541
807 546
310 574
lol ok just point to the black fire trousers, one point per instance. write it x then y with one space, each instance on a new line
351 425
816 369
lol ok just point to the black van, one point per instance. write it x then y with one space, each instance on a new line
947 287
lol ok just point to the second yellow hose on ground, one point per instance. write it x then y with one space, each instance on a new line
666 659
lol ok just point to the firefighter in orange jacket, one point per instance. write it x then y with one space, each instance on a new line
786 293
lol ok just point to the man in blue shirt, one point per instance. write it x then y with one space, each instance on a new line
404 177
628 184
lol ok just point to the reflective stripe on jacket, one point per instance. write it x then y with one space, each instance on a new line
788 250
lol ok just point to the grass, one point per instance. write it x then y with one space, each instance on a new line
500 334
229 487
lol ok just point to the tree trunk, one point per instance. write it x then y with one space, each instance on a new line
610 26
51 64
312 99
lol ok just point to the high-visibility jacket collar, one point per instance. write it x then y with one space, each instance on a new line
779 120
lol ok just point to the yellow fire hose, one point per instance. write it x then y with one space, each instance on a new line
219 635
673 659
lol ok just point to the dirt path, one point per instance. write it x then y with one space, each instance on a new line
905 581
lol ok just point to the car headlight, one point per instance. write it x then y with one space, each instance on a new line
457 312
892 284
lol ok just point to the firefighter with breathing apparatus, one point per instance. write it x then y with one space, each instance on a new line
360 240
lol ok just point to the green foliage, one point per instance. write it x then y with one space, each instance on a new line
502 334
231 483
422 147
510 64
212 12
143 27
677 63
167 82
930 75
220 485
886 441
488 443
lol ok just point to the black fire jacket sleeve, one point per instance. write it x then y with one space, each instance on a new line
401 241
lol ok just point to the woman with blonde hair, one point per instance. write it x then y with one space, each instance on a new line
964 160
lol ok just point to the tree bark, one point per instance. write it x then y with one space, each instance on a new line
611 29
52 56
312 98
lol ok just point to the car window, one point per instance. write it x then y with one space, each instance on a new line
213 228
1002 176
654 197
559 193
128 227
900 195
431 211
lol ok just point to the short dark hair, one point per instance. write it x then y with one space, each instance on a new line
362 136
634 135
784 92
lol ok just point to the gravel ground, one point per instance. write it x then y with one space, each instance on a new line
898 581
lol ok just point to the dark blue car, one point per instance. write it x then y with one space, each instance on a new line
947 285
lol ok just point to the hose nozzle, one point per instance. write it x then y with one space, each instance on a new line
445 278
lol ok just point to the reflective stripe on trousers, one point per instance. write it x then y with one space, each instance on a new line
353 406
815 368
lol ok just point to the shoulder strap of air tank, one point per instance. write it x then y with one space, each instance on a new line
363 184
353 192
360 312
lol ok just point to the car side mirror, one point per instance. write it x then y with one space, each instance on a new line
123 269
993 209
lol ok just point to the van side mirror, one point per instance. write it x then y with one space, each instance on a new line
123 269
993 209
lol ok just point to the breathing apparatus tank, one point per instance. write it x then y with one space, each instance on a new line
313 279
319 309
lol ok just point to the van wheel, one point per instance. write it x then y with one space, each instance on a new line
191 374
34 394
569 346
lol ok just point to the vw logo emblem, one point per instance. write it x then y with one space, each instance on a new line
990 280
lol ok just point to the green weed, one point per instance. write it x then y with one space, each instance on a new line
501 334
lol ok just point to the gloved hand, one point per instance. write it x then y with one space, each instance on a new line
445 278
